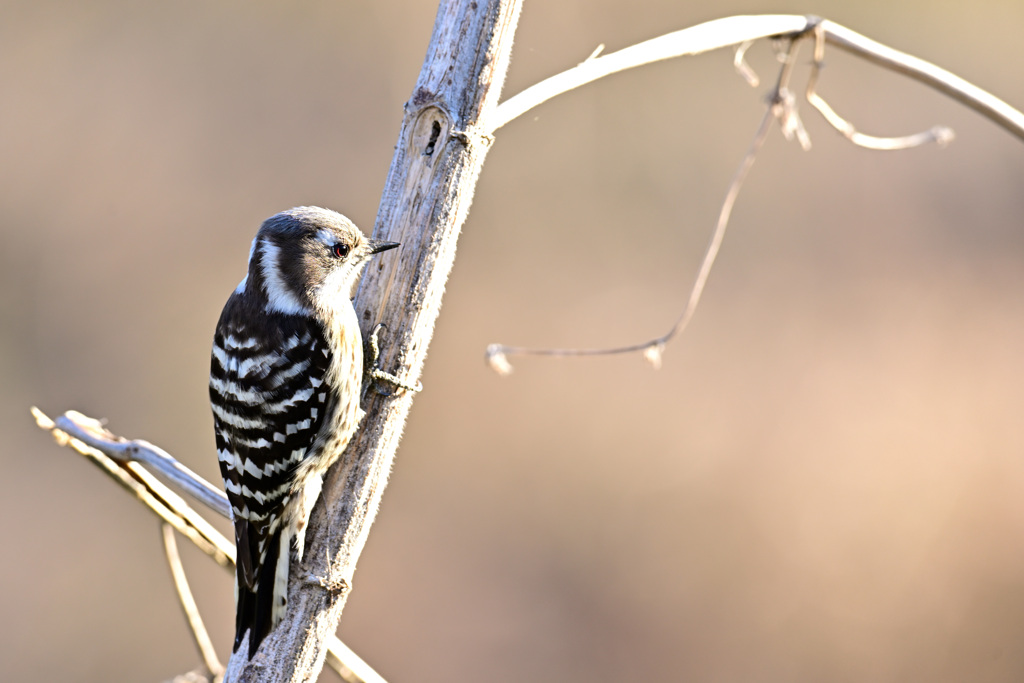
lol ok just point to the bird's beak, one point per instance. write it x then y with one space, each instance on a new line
377 246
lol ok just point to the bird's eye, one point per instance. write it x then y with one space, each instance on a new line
340 250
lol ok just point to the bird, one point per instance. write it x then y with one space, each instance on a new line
286 371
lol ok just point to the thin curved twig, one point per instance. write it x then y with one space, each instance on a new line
779 108
739 62
188 604
941 135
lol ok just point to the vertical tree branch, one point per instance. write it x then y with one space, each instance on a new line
438 157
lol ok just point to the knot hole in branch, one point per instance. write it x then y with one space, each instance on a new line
429 133
435 133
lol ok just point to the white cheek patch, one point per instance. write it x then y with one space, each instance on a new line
279 297
337 288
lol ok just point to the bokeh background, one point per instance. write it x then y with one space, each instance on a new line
822 483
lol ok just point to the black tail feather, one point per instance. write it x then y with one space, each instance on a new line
245 610
254 612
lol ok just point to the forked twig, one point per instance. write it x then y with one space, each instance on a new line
93 433
106 450
86 436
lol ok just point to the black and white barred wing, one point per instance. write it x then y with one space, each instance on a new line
269 397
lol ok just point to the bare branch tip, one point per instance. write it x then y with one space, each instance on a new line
739 63
95 427
43 421
653 354
785 110
498 361
943 135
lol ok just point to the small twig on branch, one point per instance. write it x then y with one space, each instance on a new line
781 101
739 62
595 54
941 135
188 604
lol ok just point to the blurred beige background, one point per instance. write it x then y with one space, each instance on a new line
823 482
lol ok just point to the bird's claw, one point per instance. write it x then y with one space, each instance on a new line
377 376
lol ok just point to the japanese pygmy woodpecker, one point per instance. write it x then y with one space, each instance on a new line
285 382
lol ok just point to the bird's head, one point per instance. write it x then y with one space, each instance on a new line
303 259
